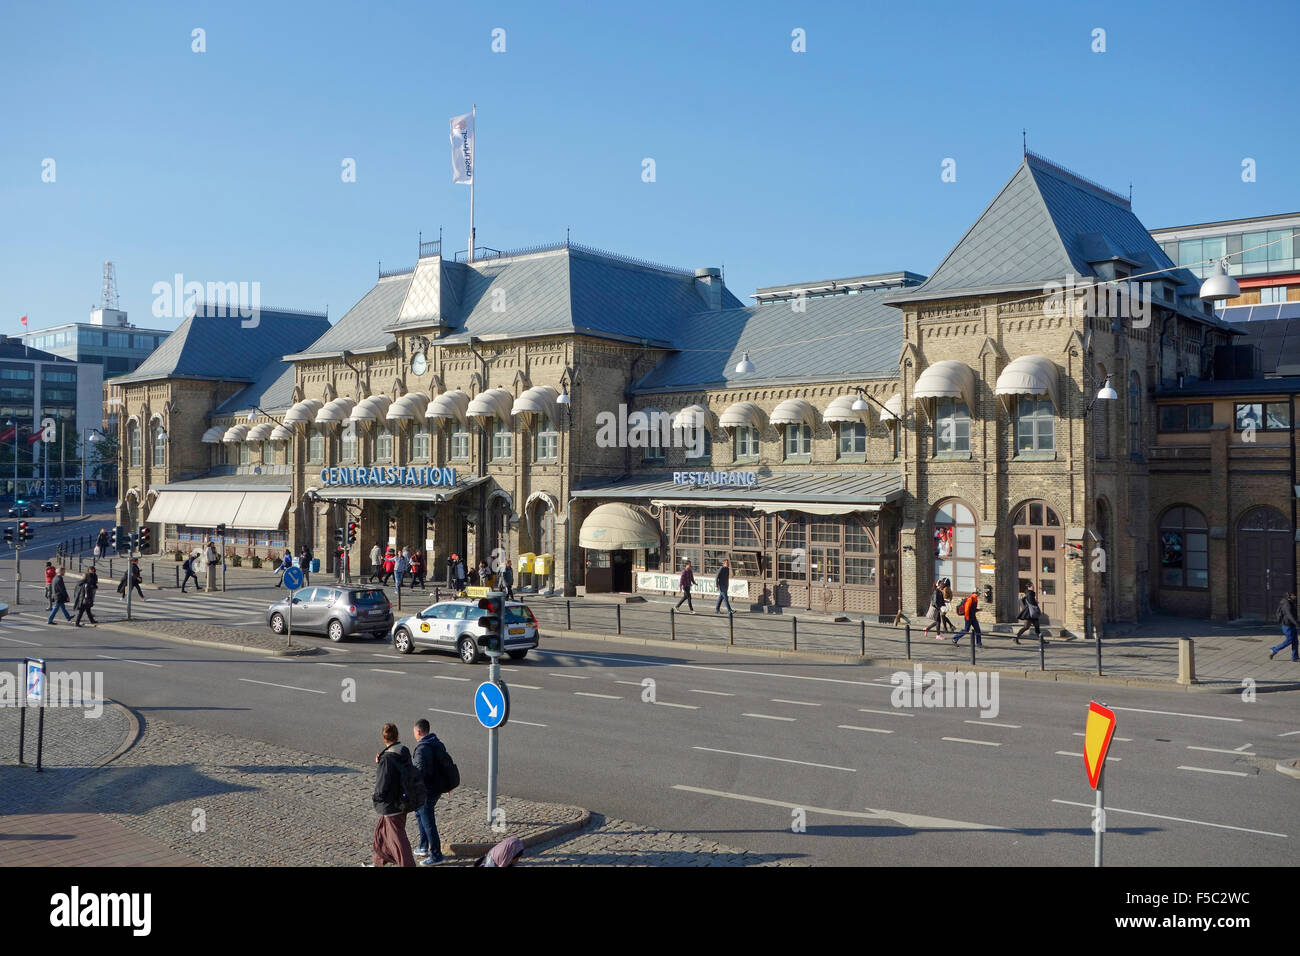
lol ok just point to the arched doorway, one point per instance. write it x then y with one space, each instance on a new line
1265 562
953 535
1039 539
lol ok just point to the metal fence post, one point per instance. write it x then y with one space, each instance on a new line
568 616
731 627
862 634
1089 632
1042 652
907 639
618 618
151 574
178 575
794 633
672 624
972 648
437 594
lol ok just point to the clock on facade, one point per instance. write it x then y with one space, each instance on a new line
419 364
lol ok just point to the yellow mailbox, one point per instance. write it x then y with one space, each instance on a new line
542 564
526 562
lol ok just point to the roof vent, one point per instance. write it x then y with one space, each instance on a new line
709 272
708 283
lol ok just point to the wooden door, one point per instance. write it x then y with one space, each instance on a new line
1039 548
1265 562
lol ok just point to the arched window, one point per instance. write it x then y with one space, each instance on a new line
133 441
546 440
503 440
953 535
1184 549
1035 424
1101 420
159 446
951 427
1134 415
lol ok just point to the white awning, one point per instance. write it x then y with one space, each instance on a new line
171 507
692 416
893 409
371 409
261 510
1029 375
260 432
213 435
494 403
282 433
211 508
841 410
538 400
742 415
235 433
449 406
794 411
335 411
949 379
303 413
409 406
618 527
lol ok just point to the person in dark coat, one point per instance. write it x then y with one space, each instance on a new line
508 580
461 579
390 844
131 579
1029 613
1286 616
304 564
188 568
59 596
935 613
86 596
686 582
426 760
722 579
101 543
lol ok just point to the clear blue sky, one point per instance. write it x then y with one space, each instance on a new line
780 166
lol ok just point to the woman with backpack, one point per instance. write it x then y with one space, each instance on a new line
390 844
947 603
935 613
970 607
1029 613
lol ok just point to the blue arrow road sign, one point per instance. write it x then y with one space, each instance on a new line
293 578
491 704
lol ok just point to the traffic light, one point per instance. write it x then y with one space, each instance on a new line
490 639
221 531
340 536
131 539
117 541
352 533
24 532
145 532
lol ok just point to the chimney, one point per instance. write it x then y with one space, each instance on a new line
708 283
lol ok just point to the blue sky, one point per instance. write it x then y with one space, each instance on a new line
780 166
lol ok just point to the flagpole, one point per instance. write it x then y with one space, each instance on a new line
472 176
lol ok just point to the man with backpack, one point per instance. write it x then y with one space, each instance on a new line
968 609
440 776
399 789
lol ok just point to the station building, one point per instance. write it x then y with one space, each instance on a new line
1043 407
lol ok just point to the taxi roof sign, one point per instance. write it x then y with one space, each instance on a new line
1096 740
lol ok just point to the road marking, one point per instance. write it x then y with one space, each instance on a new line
1290 733
963 740
1226 773
989 723
16 641
801 703
285 686
1171 713
1244 747
1071 753
391 657
911 820
448 677
327 664
525 723
723 693
887 713
802 763
524 686
127 660
380 670
664 703
1217 750
723 670
583 693
770 717
631 683
458 713
1127 740
869 730
512 670
573 676
1157 816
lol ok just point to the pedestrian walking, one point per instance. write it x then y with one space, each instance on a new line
1029 613
101 543
935 613
508 580
431 759
85 599
484 575
947 603
49 581
461 577
286 562
722 579
969 608
402 567
417 569
132 579
389 566
59 592
1286 616
211 558
376 558
304 564
451 570
188 568
685 583
390 844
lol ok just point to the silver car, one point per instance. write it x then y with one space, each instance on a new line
338 612
453 626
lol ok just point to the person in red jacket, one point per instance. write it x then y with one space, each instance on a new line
969 608
49 585
687 582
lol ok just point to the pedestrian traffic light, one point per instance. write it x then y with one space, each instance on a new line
24 532
490 623
145 532
352 532
132 538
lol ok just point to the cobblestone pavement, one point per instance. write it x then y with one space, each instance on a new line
73 740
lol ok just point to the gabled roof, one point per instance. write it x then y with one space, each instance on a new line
223 348
846 337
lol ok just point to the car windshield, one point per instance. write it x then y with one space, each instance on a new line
430 611
369 596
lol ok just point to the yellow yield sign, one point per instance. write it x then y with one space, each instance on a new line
1096 740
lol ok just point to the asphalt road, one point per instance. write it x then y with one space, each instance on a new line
745 751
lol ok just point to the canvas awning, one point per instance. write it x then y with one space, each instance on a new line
742 415
893 409
261 510
213 435
766 507
494 403
282 433
1029 375
538 400
841 410
235 433
692 416
336 411
948 379
410 406
371 409
303 413
211 508
794 411
449 406
207 509
260 432
617 527
171 506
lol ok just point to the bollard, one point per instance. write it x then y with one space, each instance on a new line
731 628
110 567
437 595
672 624
862 634
618 618
1186 661
794 633
151 578
972 648
1042 652
907 639
1087 632
568 616
178 575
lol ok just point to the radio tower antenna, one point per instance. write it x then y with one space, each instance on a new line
109 295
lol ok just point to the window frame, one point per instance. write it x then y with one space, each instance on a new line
802 435
946 409
1181 527
1042 423
158 446
856 433
1263 425
745 437
503 440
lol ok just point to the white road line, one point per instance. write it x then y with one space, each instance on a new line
1217 750
458 713
1071 753
770 717
284 686
525 723
989 723
869 730
1244 747
511 670
1226 773
583 693
631 683
1158 816
380 670
886 713
16 641
664 703
802 763
911 820
572 676
328 664
391 657
1171 713
127 660
513 685
1127 740
448 677
801 703
1290 733
723 693
963 740
723 670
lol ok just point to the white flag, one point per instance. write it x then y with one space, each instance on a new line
462 148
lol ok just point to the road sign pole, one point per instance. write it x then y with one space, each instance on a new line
288 628
1099 819
494 675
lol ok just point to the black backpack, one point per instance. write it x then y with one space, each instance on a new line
414 792
445 772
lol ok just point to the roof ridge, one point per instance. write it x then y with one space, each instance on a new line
1035 160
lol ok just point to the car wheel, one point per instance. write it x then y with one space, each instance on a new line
336 631
402 641
517 655
468 650
277 623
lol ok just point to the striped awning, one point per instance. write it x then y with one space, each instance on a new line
794 411
1029 375
449 406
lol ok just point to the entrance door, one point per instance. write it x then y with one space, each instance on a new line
621 570
1265 562
1039 542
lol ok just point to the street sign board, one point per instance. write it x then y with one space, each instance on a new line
293 578
35 681
1096 740
491 704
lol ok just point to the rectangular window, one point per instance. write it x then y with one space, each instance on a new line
746 442
348 446
1271 295
384 446
246 452
316 447
853 438
1200 418
1035 425
459 442
420 445
951 426
743 533
689 529
824 530
1173 418
717 527
1262 416
798 441
860 571
503 441
546 443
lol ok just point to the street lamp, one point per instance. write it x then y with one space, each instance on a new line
91 434
11 423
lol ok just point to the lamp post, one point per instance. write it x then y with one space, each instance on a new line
87 435
1105 394
13 423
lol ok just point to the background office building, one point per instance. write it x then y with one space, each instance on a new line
34 385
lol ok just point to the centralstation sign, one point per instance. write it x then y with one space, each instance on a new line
410 476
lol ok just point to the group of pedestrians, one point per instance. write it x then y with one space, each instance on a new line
405 568
459 577
941 599
406 783
721 580
83 598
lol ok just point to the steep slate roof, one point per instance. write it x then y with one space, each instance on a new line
219 347
363 325
272 391
860 336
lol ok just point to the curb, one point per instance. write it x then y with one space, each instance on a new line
132 738
1289 767
541 836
